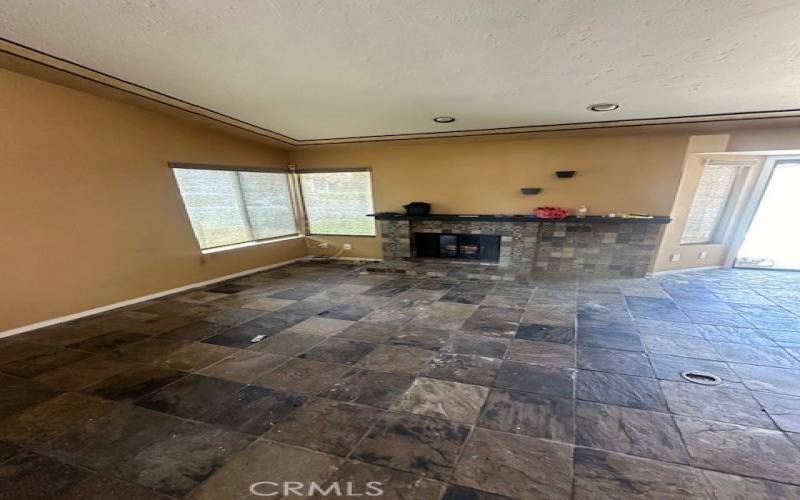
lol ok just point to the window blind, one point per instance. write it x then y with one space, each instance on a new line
710 202
227 207
337 203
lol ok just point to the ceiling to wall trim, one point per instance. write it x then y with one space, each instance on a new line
59 64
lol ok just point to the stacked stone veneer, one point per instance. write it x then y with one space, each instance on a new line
604 249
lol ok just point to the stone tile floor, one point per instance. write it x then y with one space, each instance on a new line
435 387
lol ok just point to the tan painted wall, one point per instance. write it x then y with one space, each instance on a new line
90 213
630 173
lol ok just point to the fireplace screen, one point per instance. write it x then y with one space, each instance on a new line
457 246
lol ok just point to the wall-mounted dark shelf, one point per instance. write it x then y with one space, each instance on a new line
565 174
589 219
530 191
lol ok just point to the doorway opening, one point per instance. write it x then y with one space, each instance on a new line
771 240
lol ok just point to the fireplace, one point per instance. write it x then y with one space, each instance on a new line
480 247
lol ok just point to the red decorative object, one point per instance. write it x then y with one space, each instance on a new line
551 212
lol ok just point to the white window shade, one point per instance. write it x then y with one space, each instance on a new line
337 203
711 202
228 207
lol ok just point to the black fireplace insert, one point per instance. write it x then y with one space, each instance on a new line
481 247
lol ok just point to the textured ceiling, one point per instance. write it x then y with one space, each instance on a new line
344 68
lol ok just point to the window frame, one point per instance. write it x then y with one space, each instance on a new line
302 200
299 230
723 225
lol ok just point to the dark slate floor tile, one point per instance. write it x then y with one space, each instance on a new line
97 486
784 410
784 338
327 426
253 410
176 465
233 317
288 343
302 376
756 355
194 356
738 449
655 308
391 288
350 312
134 383
655 327
498 321
478 345
542 353
731 487
31 476
109 341
393 483
558 315
736 335
285 463
767 378
530 414
244 366
367 332
621 390
626 430
614 361
718 318
297 293
669 367
680 346
412 443
444 399
80 374
515 466
190 396
463 368
41 359
366 387
420 337
604 475
240 337
341 351
87 431
609 339
408 360
464 296
546 333
228 288
537 379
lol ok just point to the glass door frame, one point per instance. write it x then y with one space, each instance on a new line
751 208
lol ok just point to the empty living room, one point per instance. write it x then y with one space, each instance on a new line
445 250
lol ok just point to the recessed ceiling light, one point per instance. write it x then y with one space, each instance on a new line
605 106
444 119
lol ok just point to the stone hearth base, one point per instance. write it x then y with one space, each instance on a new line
613 249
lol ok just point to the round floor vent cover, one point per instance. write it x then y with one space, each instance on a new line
702 378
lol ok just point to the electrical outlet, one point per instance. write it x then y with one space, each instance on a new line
324 244
347 246
702 255
675 257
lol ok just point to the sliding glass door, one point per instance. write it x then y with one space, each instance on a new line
772 240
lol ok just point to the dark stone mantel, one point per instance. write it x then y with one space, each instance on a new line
589 219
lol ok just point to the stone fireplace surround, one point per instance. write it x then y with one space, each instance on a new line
595 245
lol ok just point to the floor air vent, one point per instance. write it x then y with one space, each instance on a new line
702 378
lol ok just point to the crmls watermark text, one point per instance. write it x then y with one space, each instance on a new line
296 488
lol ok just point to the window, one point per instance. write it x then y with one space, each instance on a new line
712 202
338 202
227 207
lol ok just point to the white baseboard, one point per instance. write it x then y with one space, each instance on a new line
130 302
680 271
312 259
